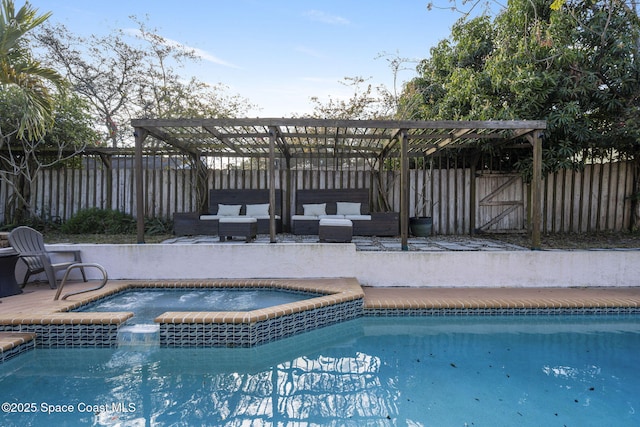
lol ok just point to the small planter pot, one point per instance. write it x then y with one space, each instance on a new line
421 226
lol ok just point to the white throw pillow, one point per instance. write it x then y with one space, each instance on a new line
347 208
229 210
316 209
258 210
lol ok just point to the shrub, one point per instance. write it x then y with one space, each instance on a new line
99 221
157 226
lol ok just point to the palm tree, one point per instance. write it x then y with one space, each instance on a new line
19 71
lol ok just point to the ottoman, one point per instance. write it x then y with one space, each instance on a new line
335 230
237 226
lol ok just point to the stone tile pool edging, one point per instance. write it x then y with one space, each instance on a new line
251 331
386 302
496 311
13 344
341 300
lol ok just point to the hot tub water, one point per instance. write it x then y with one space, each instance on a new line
149 303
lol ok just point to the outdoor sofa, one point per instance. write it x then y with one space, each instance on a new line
228 203
352 204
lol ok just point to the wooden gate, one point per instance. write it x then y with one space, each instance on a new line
501 203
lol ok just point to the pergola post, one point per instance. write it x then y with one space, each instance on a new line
286 220
272 184
202 192
472 198
404 190
536 190
140 135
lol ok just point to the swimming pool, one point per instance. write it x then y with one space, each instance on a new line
149 303
526 371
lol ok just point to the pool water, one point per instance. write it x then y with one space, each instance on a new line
462 371
147 304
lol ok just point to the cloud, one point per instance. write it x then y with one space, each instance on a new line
211 58
317 15
202 54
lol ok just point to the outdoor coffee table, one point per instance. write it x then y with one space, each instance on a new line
335 230
237 226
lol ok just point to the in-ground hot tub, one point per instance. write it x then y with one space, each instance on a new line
319 303
149 303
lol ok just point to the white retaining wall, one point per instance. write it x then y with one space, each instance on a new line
393 268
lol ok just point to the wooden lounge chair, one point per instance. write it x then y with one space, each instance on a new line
30 247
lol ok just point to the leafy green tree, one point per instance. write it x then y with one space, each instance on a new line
579 69
453 83
573 63
20 71
39 124
576 67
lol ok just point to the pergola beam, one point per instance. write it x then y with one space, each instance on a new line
332 123
224 139
446 141
167 137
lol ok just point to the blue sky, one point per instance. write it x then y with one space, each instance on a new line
276 53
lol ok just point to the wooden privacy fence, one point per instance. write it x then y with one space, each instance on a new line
596 198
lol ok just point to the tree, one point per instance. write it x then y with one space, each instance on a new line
365 103
368 102
576 68
125 76
453 83
20 71
22 159
574 63
39 125
134 74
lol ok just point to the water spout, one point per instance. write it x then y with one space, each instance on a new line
143 335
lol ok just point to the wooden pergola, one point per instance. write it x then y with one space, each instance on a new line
290 138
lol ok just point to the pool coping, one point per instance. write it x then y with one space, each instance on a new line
501 298
13 344
501 301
